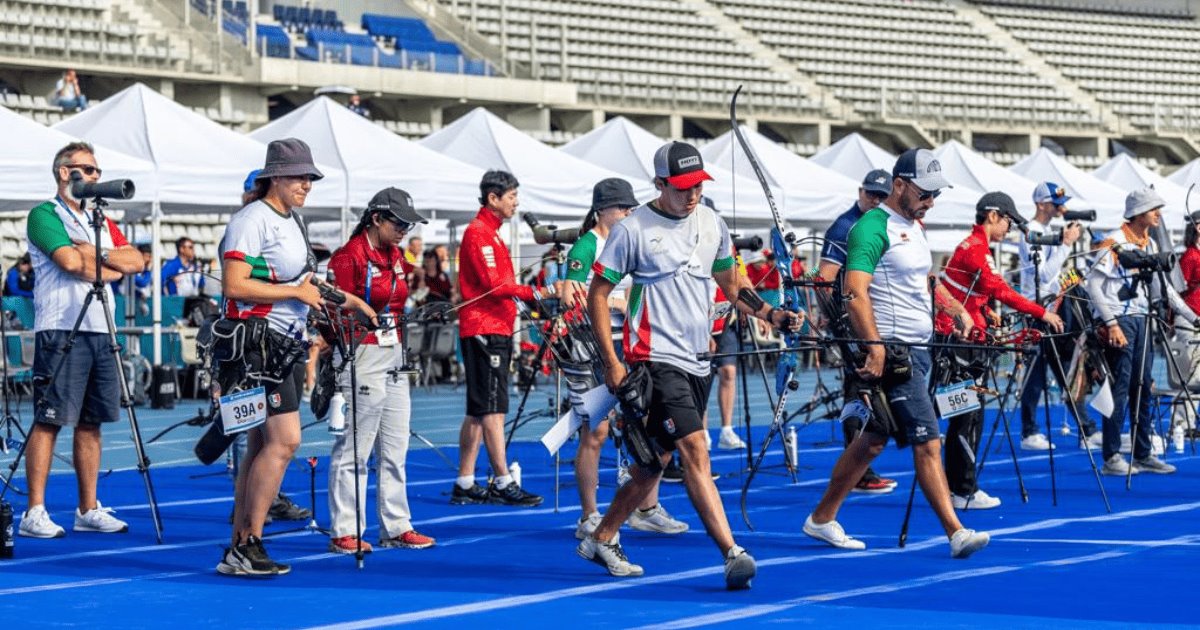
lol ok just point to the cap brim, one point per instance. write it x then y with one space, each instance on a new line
877 191
689 180
932 182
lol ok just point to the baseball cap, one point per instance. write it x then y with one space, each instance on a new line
397 204
922 168
680 164
1050 192
613 192
1001 203
248 185
1142 201
879 182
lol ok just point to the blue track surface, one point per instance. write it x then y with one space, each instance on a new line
1067 566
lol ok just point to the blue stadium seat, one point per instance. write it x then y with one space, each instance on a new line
273 41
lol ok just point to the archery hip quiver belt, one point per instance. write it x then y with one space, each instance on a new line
633 395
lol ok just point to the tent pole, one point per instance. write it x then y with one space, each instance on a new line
156 279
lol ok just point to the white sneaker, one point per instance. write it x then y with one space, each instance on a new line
1095 440
1117 466
99 519
1153 464
1156 445
978 501
587 525
608 555
740 569
832 533
1036 442
730 441
36 523
965 542
656 520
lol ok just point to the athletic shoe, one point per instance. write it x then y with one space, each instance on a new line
874 485
473 495
586 526
250 559
284 509
512 494
656 519
411 539
1095 440
1154 465
730 441
608 555
978 501
832 533
348 545
1036 442
740 569
1156 445
99 519
672 473
965 542
36 523
1117 466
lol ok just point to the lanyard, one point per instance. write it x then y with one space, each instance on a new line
71 212
370 269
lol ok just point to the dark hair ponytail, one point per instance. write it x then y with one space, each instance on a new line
364 222
589 221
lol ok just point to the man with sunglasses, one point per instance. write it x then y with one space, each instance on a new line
183 275
888 299
876 187
76 388
1050 201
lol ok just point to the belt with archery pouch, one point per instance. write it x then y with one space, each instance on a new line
897 370
897 366
633 396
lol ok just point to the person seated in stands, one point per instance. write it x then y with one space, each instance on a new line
18 282
67 93
355 105
183 275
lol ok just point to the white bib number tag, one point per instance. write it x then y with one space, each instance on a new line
244 410
956 399
387 335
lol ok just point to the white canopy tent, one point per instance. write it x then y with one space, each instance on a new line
199 165
1088 191
854 156
804 192
971 172
1127 174
373 159
622 146
1187 174
25 165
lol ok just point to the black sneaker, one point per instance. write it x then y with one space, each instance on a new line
471 496
673 473
513 494
249 559
284 509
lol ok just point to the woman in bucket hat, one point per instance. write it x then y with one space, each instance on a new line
267 267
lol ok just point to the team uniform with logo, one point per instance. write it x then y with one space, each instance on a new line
894 250
85 389
485 322
275 247
671 261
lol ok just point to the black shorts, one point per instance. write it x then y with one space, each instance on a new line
282 397
85 388
485 361
677 403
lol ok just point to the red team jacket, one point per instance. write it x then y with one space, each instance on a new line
486 280
974 256
354 261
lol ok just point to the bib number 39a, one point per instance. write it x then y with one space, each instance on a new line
244 410
956 399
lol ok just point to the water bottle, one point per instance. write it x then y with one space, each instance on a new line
789 449
6 530
1177 437
337 413
514 471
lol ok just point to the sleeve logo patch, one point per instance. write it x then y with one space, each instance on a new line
576 264
489 255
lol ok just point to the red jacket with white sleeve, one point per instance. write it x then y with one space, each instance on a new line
486 280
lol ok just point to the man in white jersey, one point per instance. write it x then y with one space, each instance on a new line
888 299
673 247
76 388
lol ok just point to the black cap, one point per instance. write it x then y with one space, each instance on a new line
397 205
1001 203
613 192
879 182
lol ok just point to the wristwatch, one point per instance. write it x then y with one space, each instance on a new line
103 256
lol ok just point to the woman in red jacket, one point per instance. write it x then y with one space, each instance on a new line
371 266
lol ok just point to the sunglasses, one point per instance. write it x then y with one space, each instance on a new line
87 169
402 226
922 194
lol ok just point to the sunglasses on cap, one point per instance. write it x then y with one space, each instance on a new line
922 194
87 169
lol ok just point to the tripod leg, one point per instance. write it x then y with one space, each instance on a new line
420 438
537 364
776 428
1049 433
912 493
1073 408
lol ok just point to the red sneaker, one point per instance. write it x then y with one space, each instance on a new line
873 485
348 545
410 539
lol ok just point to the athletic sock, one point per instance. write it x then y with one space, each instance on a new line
502 482
648 510
465 482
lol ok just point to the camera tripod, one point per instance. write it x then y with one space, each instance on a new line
99 293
